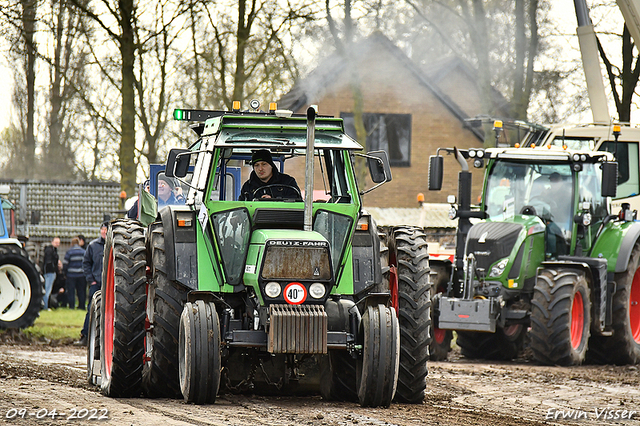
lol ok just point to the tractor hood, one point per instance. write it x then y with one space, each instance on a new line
283 258
501 249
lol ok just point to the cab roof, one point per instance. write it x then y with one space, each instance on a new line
270 131
549 153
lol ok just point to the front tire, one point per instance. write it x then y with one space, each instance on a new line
93 339
560 317
377 373
623 347
200 357
123 310
503 345
440 338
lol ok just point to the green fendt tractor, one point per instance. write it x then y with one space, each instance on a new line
268 294
545 255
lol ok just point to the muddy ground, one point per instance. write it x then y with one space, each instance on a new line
40 378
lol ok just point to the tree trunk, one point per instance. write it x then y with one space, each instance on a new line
28 27
128 142
629 77
242 34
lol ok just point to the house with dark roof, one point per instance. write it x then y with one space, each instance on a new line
409 112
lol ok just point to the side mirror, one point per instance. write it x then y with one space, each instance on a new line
609 179
379 166
177 163
436 170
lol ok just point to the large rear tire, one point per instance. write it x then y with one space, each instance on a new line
560 317
338 376
377 373
200 357
414 301
165 301
93 339
623 347
123 310
503 345
21 288
440 339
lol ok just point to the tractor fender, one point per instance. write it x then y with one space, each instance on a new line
365 247
570 262
180 245
629 240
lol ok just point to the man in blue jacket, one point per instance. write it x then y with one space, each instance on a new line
92 266
73 270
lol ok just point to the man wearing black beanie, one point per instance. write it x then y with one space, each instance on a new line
266 181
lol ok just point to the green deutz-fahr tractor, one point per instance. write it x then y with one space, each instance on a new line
274 295
544 255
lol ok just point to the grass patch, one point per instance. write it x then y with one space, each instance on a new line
60 324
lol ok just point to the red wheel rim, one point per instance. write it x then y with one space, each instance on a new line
513 330
577 320
634 307
109 308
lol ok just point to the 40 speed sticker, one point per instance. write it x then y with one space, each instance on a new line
295 293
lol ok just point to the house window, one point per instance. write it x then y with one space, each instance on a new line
385 132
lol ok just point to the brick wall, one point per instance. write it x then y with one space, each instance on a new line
389 87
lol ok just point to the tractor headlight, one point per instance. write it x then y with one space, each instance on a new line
317 290
272 289
586 219
498 268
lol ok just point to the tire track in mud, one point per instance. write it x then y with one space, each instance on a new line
458 393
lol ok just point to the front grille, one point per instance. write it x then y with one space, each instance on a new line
297 329
280 218
499 239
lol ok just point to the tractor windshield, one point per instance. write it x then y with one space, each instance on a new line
234 169
544 190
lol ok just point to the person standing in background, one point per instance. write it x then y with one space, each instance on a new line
50 267
73 269
92 267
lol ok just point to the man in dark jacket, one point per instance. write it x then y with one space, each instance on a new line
92 268
50 268
73 270
266 181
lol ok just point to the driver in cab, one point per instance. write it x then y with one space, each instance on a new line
266 181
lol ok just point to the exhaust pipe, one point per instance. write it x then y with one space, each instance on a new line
308 174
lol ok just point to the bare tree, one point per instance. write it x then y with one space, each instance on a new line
501 38
122 34
242 50
67 73
623 79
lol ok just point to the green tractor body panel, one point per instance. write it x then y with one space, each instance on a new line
520 261
610 243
